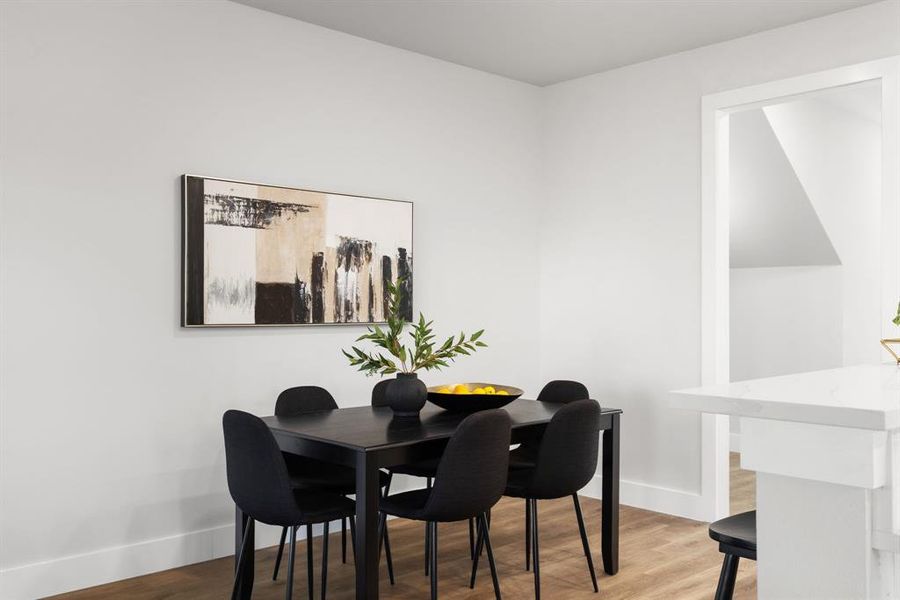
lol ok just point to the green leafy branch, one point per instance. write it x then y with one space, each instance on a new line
396 357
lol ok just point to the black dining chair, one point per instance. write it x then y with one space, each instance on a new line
425 468
558 392
737 539
566 462
261 487
309 473
469 480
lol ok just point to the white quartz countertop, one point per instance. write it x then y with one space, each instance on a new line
863 397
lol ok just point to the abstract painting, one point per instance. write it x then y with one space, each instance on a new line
268 255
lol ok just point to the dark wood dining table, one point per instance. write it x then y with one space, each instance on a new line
369 439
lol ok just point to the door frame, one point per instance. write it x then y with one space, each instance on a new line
714 303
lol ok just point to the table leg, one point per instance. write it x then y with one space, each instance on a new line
245 578
610 474
367 492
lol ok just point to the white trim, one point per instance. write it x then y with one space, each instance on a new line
714 351
734 442
651 497
79 571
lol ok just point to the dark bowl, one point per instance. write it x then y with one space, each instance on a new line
473 402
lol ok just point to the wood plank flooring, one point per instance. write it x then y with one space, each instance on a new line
661 557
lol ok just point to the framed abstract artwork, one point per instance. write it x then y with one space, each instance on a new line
256 254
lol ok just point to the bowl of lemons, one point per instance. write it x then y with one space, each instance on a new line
471 397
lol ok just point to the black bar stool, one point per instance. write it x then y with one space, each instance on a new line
737 539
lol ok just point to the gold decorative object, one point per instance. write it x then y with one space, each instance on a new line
887 342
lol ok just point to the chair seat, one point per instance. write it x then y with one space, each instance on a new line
423 468
737 530
408 505
307 473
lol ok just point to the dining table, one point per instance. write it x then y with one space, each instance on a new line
370 438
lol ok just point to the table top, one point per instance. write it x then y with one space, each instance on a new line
862 397
366 428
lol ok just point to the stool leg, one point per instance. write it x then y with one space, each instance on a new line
725 589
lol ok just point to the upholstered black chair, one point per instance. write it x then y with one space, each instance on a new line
309 473
469 480
425 468
260 485
737 539
566 462
559 392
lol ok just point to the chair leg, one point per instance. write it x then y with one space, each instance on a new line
240 561
584 541
433 555
309 562
472 539
387 486
384 541
427 533
490 553
344 540
324 557
280 552
535 550
527 535
477 553
725 589
289 590
353 538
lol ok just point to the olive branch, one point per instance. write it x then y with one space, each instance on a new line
396 357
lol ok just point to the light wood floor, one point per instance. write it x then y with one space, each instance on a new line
661 557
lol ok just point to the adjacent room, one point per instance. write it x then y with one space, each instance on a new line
458 299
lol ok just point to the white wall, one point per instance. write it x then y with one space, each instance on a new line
111 461
836 154
620 276
785 320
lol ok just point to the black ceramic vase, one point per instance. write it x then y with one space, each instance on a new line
406 395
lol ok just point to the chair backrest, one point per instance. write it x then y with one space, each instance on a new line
303 399
563 392
257 476
471 476
567 456
379 393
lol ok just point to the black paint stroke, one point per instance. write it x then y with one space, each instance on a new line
387 277
352 254
404 275
301 313
318 287
371 299
254 213
192 255
274 303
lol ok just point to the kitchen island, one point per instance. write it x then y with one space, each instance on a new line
825 446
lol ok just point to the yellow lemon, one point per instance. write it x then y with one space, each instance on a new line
489 389
502 393
445 390
461 389
479 391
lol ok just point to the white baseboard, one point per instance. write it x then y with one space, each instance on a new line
652 497
79 571
734 442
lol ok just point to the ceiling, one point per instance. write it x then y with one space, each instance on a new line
548 41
